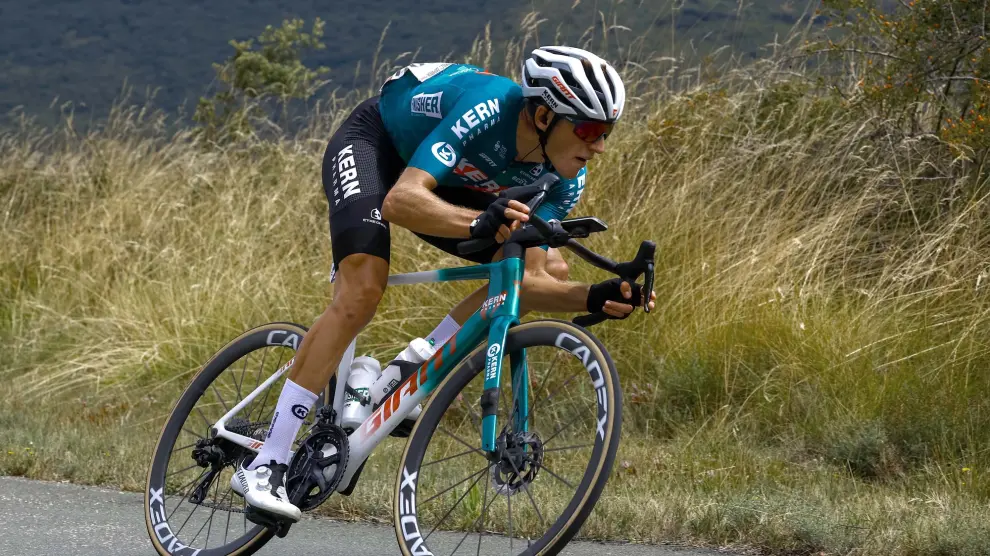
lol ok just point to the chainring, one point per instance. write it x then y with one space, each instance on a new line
317 467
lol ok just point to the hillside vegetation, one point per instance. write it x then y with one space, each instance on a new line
813 380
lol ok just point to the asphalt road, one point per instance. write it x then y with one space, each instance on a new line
57 519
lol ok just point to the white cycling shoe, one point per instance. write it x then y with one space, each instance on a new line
264 489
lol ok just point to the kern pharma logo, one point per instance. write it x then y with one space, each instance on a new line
445 154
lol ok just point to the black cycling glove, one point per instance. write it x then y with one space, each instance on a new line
610 290
486 225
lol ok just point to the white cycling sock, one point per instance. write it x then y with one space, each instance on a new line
293 405
444 331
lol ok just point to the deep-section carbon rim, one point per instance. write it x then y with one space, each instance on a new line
550 473
178 523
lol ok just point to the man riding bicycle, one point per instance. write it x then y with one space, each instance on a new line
429 154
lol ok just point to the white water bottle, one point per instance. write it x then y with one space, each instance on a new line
417 351
364 372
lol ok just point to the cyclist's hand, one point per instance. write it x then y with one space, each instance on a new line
499 220
617 298
627 293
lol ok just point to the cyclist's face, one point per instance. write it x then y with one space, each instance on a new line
568 152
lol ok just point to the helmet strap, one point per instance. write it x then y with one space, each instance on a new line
544 135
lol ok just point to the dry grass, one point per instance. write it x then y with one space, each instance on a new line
812 380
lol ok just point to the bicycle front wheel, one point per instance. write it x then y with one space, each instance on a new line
559 432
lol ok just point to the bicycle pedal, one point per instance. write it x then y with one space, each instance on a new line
266 519
283 530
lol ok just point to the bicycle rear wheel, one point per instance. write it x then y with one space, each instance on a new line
190 509
553 461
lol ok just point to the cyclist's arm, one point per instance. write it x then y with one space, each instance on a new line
543 292
412 204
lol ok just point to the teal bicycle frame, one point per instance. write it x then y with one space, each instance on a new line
498 313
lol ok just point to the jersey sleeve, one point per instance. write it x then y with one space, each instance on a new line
467 119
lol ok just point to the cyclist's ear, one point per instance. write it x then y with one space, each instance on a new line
542 117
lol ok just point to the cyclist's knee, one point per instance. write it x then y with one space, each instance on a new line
359 285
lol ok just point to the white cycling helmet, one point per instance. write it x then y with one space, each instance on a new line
574 82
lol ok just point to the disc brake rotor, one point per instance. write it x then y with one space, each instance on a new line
522 456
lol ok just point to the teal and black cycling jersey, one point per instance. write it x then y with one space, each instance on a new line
458 123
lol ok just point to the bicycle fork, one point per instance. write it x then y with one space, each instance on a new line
502 308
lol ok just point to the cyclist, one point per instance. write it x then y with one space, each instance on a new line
430 153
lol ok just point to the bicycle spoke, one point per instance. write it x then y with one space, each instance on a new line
446 515
466 535
187 485
205 420
536 401
217 392
216 506
484 513
575 447
233 378
186 495
567 425
174 450
182 470
475 416
230 492
195 507
508 500
187 431
471 451
257 379
209 521
453 486
525 485
455 437
268 390
546 383
555 392
552 474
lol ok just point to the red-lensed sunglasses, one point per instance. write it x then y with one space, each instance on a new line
590 130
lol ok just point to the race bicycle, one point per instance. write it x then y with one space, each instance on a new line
521 476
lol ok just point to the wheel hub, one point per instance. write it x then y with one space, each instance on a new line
519 461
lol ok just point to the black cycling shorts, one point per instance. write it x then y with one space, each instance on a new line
359 167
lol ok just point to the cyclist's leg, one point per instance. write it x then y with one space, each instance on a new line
359 283
359 165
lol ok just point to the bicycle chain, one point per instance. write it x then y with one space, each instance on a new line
231 509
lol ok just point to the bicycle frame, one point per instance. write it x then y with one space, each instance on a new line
497 314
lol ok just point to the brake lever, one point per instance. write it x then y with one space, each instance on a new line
648 288
535 192
642 264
